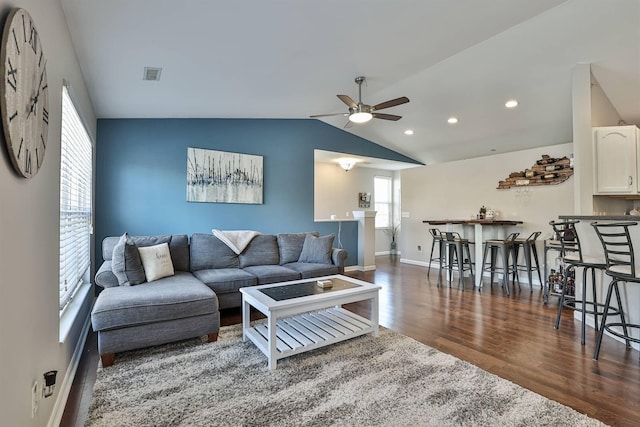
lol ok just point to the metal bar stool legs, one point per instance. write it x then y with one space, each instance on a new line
455 250
582 304
436 236
529 248
506 248
604 326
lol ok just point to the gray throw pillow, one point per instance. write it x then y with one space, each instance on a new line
126 264
317 249
290 246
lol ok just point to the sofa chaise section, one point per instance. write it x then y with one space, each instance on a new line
168 309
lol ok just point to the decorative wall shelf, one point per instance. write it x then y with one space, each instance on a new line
546 171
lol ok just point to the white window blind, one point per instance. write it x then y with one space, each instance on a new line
76 164
382 196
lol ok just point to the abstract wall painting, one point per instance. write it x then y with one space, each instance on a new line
223 177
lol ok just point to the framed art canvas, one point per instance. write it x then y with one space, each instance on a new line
223 177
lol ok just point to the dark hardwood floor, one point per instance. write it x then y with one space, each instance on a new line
510 336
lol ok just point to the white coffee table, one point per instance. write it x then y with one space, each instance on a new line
302 316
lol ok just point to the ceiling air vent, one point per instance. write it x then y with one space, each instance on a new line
152 73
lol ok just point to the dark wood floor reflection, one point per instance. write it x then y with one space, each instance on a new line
510 336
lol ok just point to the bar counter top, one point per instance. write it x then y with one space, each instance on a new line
474 221
602 217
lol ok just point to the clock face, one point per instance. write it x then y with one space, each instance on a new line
24 99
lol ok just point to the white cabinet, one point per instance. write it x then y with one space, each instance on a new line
616 159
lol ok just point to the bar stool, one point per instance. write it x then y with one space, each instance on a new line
437 239
620 258
452 256
571 254
529 248
506 248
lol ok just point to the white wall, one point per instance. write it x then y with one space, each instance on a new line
29 223
456 190
336 193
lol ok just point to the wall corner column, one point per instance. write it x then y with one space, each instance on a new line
366 239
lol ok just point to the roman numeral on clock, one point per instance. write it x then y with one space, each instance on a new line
11 75
33 38
27 162
45 116
15 39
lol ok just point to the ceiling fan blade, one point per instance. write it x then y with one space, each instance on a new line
391 103
347 100
327 115
387 116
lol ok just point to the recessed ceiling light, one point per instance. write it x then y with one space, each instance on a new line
408 132
512 103
452 120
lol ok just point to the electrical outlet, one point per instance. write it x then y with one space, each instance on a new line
419 248
34 399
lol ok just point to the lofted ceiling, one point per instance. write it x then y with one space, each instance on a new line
290 58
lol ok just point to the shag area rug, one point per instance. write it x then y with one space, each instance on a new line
392 380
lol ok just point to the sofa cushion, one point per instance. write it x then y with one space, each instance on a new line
290 246
207 252
179 248
126 263
263 250
317 249
178 245
156 261
272 273
175 297
309 269
226 280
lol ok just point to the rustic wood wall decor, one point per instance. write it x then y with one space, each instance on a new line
546 171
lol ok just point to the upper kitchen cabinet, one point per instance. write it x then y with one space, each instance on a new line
616 159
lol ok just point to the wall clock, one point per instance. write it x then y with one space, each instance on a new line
24 100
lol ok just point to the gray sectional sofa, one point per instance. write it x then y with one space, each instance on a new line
207 277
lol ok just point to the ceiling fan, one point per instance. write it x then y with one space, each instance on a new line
362 113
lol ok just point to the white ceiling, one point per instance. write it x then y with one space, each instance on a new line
290 58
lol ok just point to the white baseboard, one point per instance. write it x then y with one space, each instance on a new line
360 268
386 253
65 386
414 262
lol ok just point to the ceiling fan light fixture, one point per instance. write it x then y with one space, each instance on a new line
360 117
347 164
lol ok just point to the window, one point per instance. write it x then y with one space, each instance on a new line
382 197
76 172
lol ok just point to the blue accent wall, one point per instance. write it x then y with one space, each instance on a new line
141 175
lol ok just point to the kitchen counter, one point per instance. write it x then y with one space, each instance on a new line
602 217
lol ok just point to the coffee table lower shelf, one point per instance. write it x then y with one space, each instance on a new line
308 331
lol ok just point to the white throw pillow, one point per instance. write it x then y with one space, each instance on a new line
156 261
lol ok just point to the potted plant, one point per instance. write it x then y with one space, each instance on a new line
393 233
